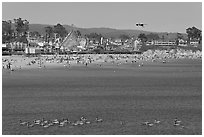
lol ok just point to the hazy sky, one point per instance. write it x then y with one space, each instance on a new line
159 17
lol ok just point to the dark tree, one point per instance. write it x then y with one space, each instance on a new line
59 29
78 33
142 37
35 34
6 31
163 37
194 33
179 36
22 26
124 37
152 36
94 36
49 32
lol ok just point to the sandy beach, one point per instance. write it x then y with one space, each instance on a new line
49 61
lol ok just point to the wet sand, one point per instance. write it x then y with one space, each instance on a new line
127 93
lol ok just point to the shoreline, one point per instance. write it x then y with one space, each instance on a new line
18 62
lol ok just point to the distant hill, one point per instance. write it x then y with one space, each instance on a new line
106 32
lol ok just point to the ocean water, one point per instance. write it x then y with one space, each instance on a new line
126 93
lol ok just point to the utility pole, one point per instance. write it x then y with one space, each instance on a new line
28 39
55 36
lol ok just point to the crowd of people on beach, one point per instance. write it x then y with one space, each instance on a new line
18 62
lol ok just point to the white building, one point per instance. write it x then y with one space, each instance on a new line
182 42
33 50
195 43
137 44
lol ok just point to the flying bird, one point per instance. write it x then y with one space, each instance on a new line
140 24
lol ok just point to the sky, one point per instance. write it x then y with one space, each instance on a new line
159 17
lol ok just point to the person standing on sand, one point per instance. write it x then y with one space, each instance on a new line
69 63
9 65
40 64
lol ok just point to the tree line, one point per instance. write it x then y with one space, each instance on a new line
17 30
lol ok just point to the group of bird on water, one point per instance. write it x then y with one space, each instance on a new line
58 122
83 121
176 123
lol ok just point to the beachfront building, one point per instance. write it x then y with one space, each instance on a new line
164 43
95 43
33 50
5 49
16 46
82 43
148 43
194 42
161 43
182 42
136 45
116 41
35 46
